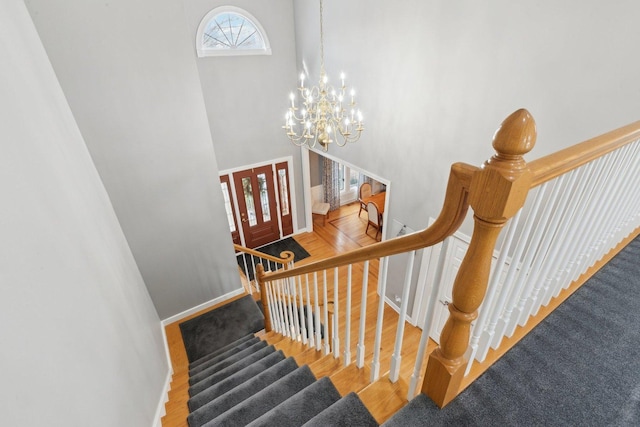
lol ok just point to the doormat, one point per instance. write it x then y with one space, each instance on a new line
213 330
274 249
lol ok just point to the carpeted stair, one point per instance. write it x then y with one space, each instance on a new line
578 367
248 382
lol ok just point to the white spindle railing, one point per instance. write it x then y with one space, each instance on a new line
574 221
569 224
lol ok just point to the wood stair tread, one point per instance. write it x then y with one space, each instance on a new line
351 378
326 366
384 398
308 356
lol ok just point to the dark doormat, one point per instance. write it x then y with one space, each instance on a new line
215 329
274 249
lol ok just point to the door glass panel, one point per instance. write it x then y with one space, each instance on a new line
284 191
248 198
227 206
264 197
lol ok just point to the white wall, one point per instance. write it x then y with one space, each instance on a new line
247 96
127 70
436 78
81 341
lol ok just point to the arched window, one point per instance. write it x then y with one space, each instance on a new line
229 30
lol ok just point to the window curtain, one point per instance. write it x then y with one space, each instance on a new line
362 178
331 183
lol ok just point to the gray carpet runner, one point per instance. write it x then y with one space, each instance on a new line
579 367
249 383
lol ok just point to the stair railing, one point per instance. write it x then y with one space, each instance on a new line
254 258
586 201
496 191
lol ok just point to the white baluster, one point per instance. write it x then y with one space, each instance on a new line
303 323
283 310
363 317
275 319
336 323
509 295
533 283
296 319
375 366
592 208
326 346
317 312
309 314
428 321
289 311
246 269
487 305
396 358
347 321
612 210
567 229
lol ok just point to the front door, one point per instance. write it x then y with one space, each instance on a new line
257 205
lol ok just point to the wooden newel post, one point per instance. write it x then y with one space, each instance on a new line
496 193
263 297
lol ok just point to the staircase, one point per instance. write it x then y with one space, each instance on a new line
250 382
590 193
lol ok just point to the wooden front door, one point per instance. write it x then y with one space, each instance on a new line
257 205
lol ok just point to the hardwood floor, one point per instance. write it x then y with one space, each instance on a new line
344 230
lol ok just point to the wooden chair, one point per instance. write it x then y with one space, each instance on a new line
321 209
363 193
375 219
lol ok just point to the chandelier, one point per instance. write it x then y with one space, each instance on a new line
327 114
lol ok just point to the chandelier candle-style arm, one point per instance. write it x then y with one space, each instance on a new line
325 115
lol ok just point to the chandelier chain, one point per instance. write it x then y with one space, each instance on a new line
321 38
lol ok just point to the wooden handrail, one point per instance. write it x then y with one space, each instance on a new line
548 167
452 215
286 256
496 192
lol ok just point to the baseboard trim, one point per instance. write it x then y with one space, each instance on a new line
164 398
202 306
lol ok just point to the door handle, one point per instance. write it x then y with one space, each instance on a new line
445 303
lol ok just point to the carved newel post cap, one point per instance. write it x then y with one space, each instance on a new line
517 134
499 189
